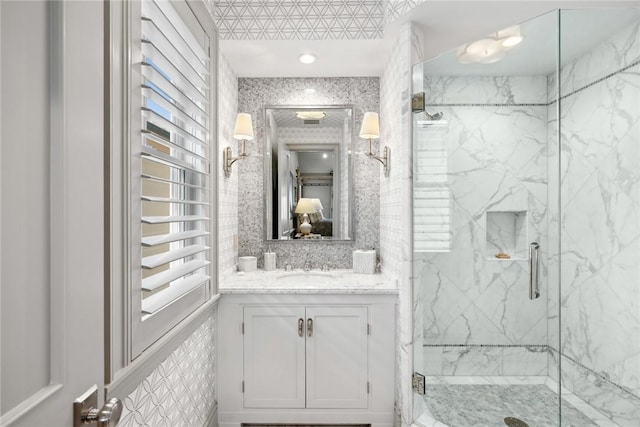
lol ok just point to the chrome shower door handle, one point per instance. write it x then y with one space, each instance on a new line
534 290
301 327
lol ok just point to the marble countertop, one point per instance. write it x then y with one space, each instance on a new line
310 282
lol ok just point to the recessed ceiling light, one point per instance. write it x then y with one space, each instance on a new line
325 155
307 58
309 91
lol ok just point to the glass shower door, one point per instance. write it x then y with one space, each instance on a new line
536 143
484 148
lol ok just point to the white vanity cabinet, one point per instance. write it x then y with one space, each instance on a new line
313 357
306 359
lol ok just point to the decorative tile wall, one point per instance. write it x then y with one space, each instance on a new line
395 199
254 95
299 19
227 187
600 231
181 391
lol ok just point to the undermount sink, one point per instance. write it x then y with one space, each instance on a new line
305 277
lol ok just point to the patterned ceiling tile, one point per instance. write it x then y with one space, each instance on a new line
299 19
396 8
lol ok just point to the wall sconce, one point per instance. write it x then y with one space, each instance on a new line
371 130
242 131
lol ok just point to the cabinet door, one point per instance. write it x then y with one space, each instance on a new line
274 361
337 371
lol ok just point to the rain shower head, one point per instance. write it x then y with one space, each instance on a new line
435 119
434 116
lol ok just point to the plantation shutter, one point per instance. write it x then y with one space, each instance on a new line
175 151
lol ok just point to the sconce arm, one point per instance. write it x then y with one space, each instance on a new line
228 159
385 159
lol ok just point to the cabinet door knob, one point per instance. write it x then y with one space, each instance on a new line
309 327
301 327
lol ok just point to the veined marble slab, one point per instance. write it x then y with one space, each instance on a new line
309 282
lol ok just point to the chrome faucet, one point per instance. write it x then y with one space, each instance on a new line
307 266
325 267
287 267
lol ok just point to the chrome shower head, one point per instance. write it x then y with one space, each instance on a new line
434 116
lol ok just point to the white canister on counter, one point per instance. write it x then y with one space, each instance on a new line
269 261
247 263
364 262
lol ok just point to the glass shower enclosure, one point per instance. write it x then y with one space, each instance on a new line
526 193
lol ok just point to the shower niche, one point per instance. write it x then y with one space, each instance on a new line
506 235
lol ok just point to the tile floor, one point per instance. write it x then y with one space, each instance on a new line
488 405
465 401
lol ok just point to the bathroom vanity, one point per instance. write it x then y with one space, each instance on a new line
306 348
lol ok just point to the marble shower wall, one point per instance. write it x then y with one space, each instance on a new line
253 95
600 223
477 316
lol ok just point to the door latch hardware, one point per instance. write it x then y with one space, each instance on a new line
85 410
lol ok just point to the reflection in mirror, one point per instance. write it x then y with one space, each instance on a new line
307 173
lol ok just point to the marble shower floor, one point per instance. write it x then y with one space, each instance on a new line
486 401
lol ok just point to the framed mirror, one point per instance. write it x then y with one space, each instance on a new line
307 173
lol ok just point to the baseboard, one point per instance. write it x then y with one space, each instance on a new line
212 418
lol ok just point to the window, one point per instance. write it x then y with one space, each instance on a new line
171 187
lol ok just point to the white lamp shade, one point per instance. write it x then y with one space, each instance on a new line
305 206
317 204
370 126
244 127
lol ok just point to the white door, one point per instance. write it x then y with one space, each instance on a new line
337 371
51 217
274 361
